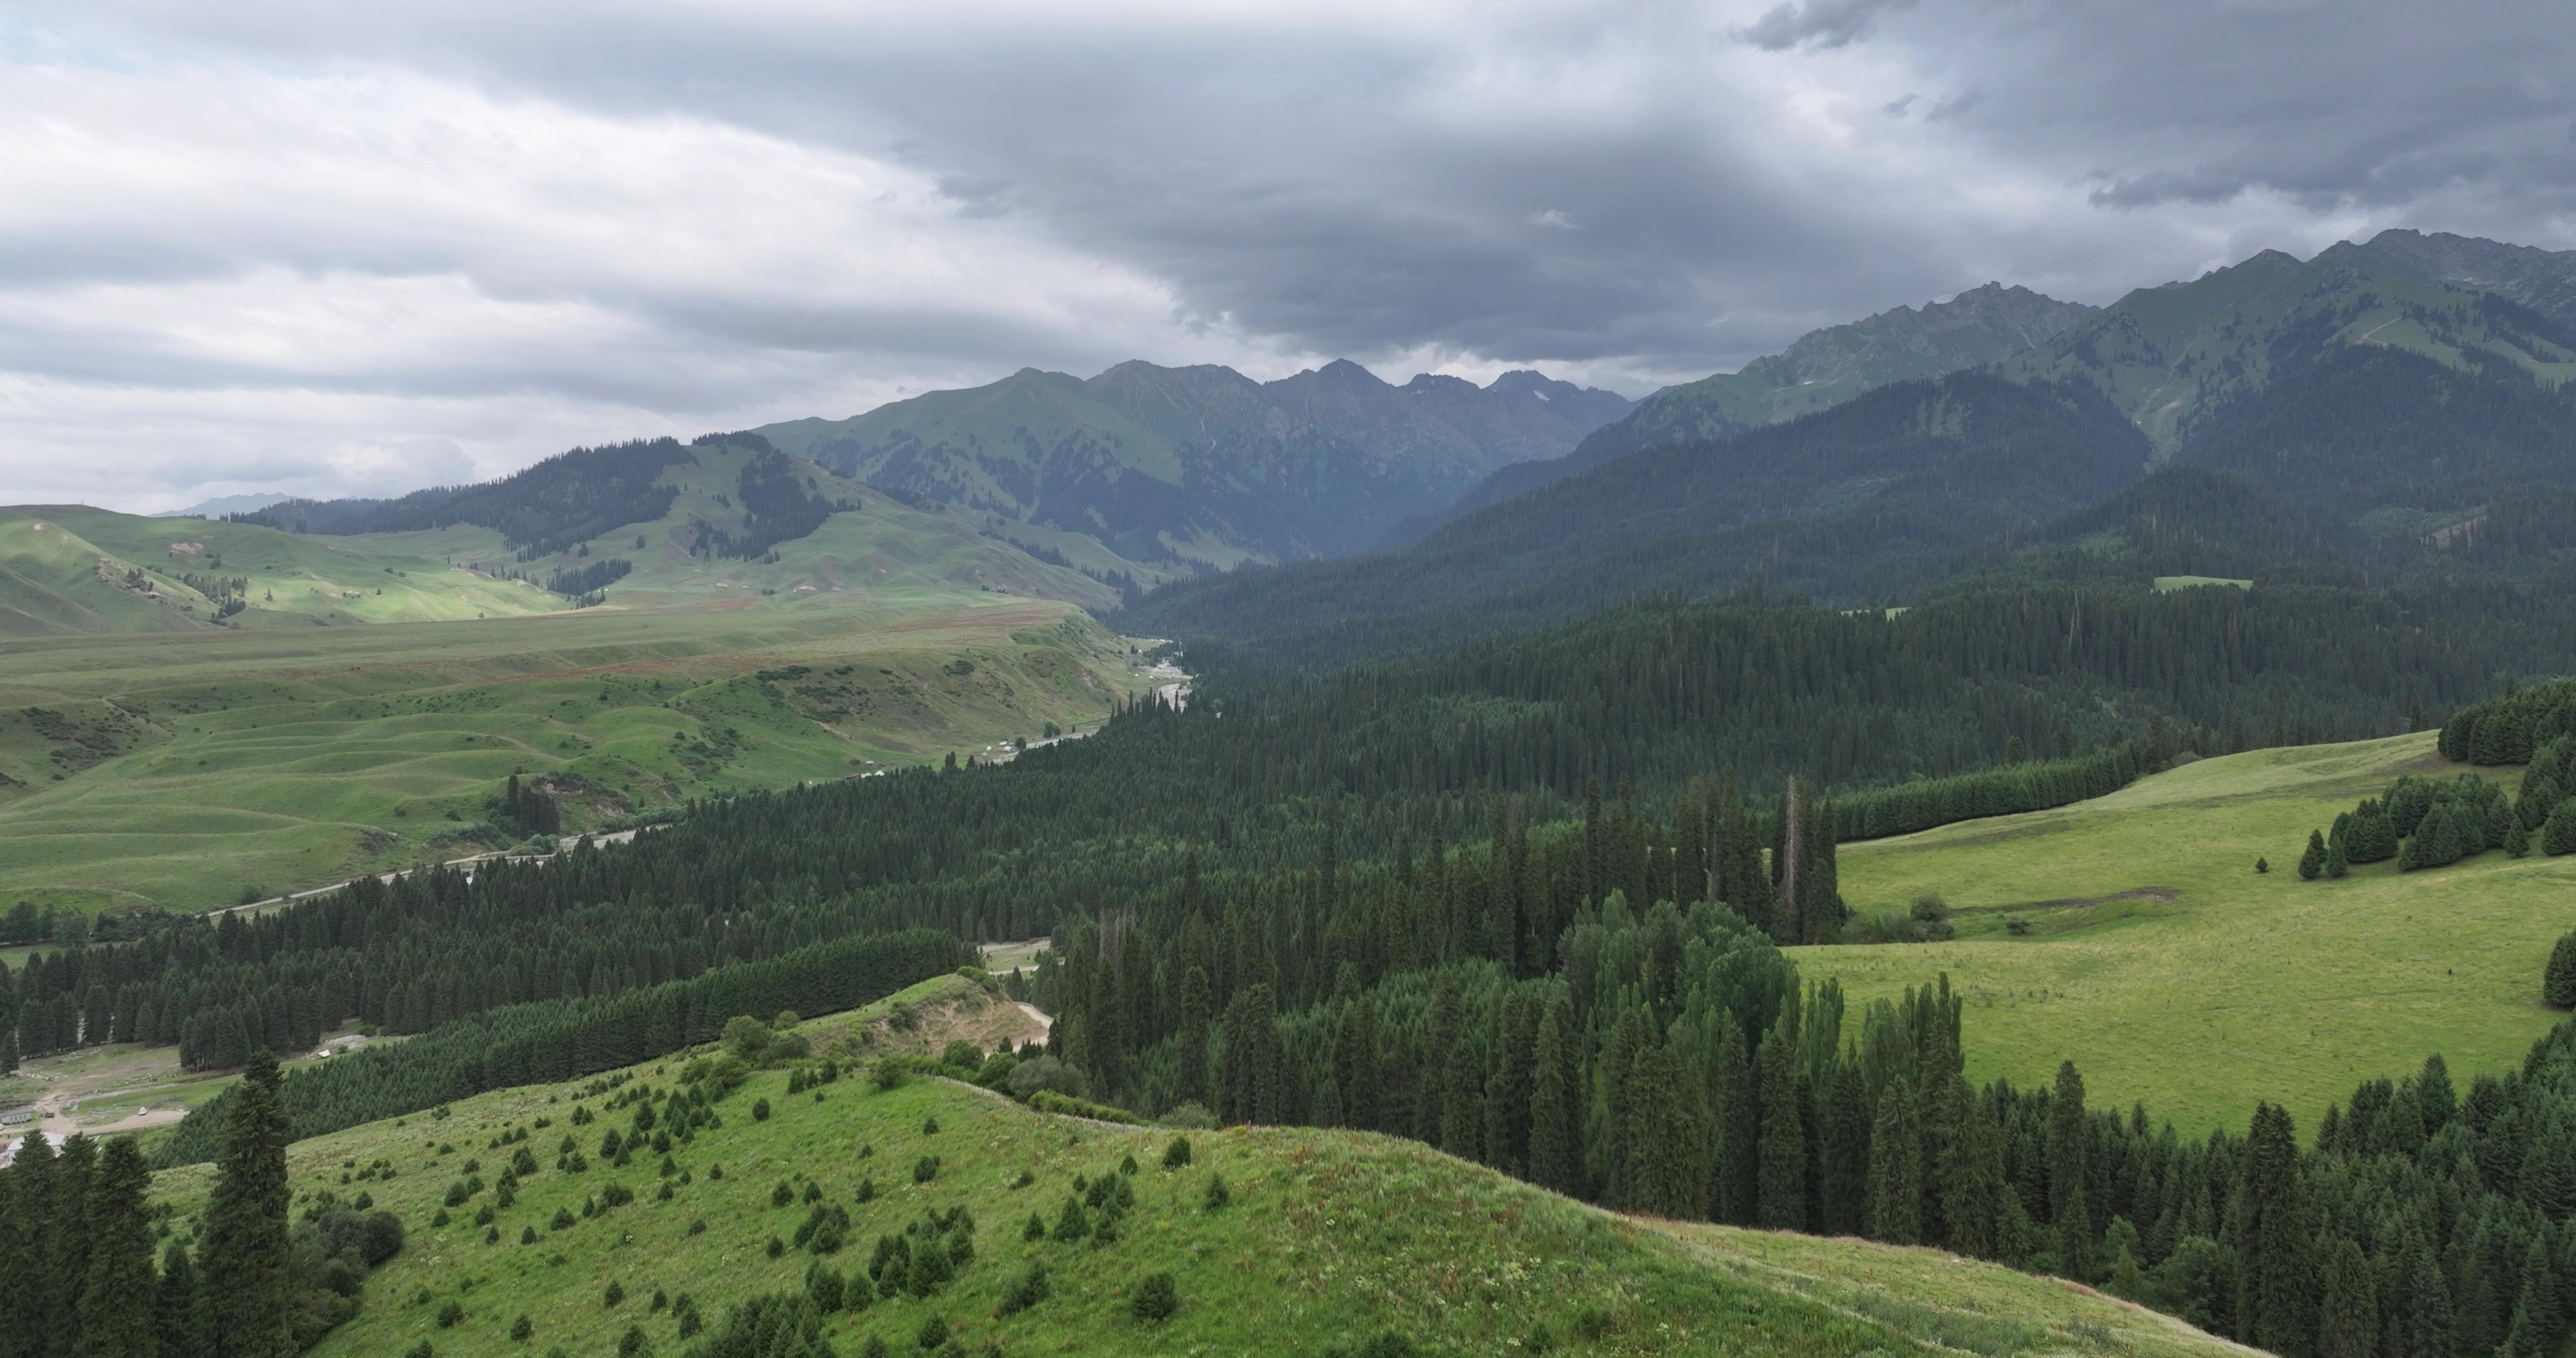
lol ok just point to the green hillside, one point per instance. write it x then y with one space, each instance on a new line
197 765
2164 966
1326 1238
2172 357
73 569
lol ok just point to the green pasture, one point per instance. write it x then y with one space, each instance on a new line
276 760
2170 972
1329 1238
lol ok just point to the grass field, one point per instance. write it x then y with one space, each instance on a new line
180 768
1329 1238
2169 971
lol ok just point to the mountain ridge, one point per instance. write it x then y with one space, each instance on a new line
1202 463
1822 369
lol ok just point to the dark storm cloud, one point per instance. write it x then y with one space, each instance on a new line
1817 23
1647 191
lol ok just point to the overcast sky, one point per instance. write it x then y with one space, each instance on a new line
335 248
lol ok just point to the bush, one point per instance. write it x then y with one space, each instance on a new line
1156 1297
1176 1154
1218 1196
760 1110
1028 1289
451 1312
960 1052
925 1169
1192 1116
886 1072
747 1037
1046 1073
522 1328
615 1294
933 1333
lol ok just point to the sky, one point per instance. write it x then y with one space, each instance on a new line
335 249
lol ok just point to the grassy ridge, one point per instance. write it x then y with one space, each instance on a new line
282 759
1330 1238
2168 970
63 569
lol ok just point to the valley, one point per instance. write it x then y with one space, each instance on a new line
1815 861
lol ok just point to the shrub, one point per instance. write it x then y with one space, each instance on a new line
615 1294
960 1052
563 1219
748 1037
1026 1290
872 1347
1217 1194
522 1328
776 1247
1073 1223
925 1169
1177 1154
1046 1073
760 1110
450 1313
1192 1116
933 1333
1156 1297
1035 1230
886 1072
930 1126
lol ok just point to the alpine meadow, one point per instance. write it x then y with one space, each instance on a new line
805 683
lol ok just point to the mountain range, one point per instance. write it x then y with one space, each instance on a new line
2410 389
2396 409
1202 463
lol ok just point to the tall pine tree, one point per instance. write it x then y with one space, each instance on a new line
245 1251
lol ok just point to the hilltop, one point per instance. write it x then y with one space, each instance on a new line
1326 1238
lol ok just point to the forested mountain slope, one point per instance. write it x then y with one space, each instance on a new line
1823 369
1844 503
1203 463
2174 358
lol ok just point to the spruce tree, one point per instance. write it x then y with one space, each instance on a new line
2558 981
2312 863
2349 1317
2068 1212
113 1323
2272 1238
2558 833
1782 1204
67 1247
1554 1157
1896 1167
1843 1160
1739 1127
2338 863
244 1257
179 1308
1972 1175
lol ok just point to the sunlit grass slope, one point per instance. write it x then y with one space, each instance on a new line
1329 1238
71 568
2169 971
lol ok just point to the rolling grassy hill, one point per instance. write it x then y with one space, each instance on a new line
178 769
68 569
1328 1239
2160 963
157 752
